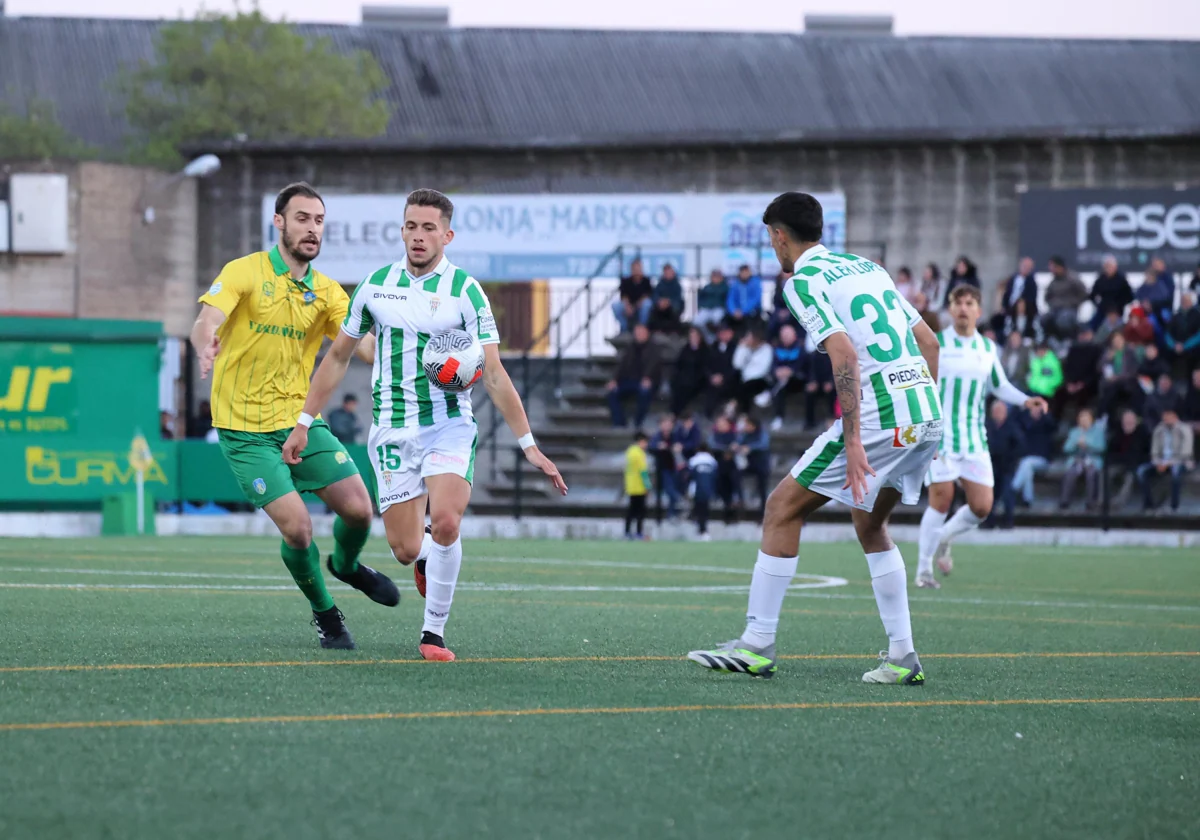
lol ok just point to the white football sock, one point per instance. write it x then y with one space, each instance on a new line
932 521
891 596
441 575
961 522
426 547
768 586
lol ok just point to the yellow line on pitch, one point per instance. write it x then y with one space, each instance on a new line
615 710
533 660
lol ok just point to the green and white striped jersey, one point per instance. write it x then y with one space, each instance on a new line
969 370
832 293
405 311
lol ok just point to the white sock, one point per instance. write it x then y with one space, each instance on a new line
932 521
961 522
891 596
768 586
426 547
441 574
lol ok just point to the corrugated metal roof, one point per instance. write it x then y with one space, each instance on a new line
482 88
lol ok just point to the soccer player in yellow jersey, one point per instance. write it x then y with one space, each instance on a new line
260 326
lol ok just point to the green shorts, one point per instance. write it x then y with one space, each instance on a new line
256 459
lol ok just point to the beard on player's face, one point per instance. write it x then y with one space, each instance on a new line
304 247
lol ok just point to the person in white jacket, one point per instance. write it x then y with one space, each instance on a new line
753 359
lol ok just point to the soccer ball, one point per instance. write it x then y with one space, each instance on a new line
453 361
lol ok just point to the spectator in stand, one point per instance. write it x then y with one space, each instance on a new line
1183 334
723 443
1139 331
686 440
1152 366
1164 398
639 370
637 485
754 445
1118 376
780 314
690 379
1064 295
1190 412
1128 452
1014 358
753 359
906 285
932 286
788 371
1157 293
1022 286
921 304
1110 326
1171 453
744 302
1020 322
634 303
1045 373
1006 445
1081 373
964 271
1084 447
343 421
703 469
818 386
723 378
665 467
666 311
1038 429
203 423
1111 292
710 303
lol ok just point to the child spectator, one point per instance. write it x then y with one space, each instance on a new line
703 469
1084 446
665 469
637 485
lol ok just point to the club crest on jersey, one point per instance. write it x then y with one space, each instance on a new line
309 297
904 437
434 303
268 288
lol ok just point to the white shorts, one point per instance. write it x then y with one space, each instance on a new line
975 468
900 458
403 458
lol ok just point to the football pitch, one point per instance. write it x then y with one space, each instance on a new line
173 688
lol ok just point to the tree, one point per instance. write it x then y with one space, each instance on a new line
37 134
219 77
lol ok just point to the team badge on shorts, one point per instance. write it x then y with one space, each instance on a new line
259 486
387 477
341 457
309 297
904 437
434 303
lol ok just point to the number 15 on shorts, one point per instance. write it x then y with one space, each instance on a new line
388 456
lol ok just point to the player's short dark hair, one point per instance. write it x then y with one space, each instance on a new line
349 398
799 214
299 188
966 290
432 198
640 436
1058 261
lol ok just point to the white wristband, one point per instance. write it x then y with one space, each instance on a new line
304 420
526 441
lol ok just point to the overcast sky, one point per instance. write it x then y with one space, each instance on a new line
1038 18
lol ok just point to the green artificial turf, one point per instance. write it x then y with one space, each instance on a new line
571 711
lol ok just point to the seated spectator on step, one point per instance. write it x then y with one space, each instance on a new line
690 379
754 447
964 272
905 284
744 301
1111 292
666 467
1038 428
1151 367
1064 295
1045 373
818 385
1139 330
1084 448
1081 373
723 443
1171 455
1118 377
1157 293
1014 358
686 439
1006 445
1022 286
780 314
1190 412
788 371
724 380
633 304
1110 326
639 370
1028 327
710 303
1162 399
753 360
666 311
1128 452
1183 334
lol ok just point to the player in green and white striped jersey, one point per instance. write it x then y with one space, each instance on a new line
885 368
422 439
970 372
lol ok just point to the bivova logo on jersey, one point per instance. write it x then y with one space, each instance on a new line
285 331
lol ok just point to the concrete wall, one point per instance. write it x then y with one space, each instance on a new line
923 202
115 266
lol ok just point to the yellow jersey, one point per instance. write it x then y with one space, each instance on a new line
274 325
637 474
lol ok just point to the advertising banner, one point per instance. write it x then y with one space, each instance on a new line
524 237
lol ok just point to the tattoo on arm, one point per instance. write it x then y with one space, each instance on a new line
845 377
